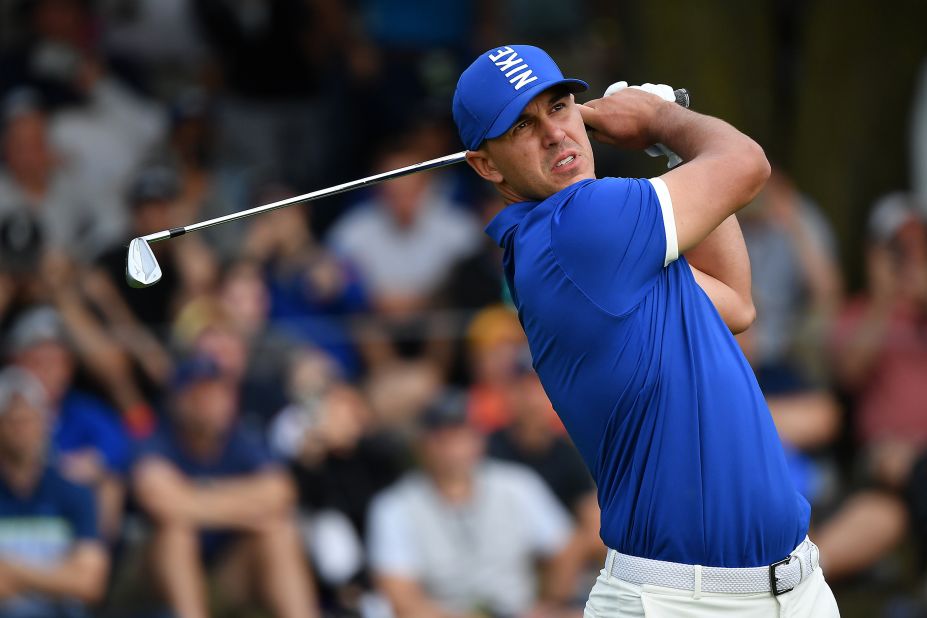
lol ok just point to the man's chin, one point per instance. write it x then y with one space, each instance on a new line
565 181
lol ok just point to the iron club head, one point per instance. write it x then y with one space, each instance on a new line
142 268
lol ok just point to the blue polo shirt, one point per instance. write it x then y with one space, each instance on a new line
648 380
242 454
40 529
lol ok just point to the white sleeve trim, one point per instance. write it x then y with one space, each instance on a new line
669 220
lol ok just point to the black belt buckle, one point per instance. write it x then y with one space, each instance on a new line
774 581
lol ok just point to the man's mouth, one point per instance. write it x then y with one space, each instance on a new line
565 161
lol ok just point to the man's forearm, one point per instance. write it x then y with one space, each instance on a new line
81 576
239 503
245 502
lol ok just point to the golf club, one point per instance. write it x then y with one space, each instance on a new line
142 268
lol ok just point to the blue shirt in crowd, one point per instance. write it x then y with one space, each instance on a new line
242 454
40 529
648 379
85 422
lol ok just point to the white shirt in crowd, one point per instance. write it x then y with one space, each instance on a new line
394 260
477 555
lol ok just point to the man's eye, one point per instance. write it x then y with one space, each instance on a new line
521 125
557 107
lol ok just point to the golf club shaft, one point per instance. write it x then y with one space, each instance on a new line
308 197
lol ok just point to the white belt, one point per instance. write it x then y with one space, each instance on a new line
777 578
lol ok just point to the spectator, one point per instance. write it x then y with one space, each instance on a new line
880 356
208 187
497 353
52 561
89 442
473 282
139 318
31 276
231 327
460 536
535 438
188 268
404 241
137 31
796 282
314 295
100 128
217 501
34 181
407 237
340 459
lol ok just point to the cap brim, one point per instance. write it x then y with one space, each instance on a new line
516 106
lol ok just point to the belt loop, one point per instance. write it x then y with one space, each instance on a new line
610 562
697 592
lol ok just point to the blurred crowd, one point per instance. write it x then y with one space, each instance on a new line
330 410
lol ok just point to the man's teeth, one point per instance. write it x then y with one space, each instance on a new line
569 159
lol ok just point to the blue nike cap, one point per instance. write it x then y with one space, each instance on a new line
492 93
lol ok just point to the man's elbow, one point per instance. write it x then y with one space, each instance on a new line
743 318
749 168
92 591
90 574
757 169
281 495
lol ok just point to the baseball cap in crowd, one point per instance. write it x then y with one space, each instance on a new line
493 91
493 325
449 409
153 184
892 212
200 368
37 325
16 382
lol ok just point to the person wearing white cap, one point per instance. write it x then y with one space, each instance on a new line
880 357
52 561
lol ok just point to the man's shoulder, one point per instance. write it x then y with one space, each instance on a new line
406 493
87 409
54 492
63 488
359 219
162 444
510 478
610 187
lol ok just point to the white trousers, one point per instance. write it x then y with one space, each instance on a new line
615 598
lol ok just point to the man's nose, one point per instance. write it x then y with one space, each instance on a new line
553 133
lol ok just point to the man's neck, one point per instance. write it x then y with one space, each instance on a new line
531 438
21 476
455 490
201 446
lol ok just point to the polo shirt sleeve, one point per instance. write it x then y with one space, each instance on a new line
613 239
391 539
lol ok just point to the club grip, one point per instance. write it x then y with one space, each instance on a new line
682 97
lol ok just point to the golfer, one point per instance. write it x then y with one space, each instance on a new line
630 291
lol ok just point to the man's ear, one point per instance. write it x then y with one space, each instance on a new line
481 163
